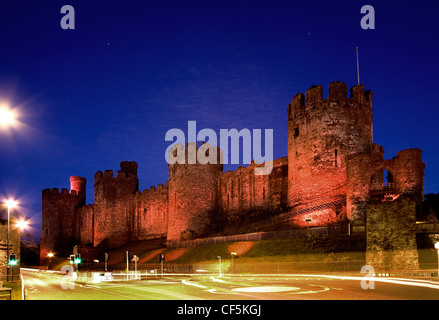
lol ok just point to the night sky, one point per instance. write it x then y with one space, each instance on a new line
109 90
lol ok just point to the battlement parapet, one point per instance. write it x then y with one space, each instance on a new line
108 174
153 191
128 172
338 90
64 192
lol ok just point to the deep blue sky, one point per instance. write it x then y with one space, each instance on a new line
109 90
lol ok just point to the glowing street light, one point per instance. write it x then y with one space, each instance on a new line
233 254
436 246
7 117
22 224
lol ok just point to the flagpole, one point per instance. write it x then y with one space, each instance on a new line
358 67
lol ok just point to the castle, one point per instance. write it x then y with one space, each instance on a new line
331 160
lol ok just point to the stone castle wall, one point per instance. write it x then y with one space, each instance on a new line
114 205
151 212
321 134
331 159
391 235
14 247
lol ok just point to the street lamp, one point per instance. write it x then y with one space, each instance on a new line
50 255
233 254
22 224
219 257
10 204
436 246
7 117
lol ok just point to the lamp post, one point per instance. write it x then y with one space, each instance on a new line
219 257
50 256
436 246
233 254
9 204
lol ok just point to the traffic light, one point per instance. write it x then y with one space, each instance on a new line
78 258
72 259
12 259
161 257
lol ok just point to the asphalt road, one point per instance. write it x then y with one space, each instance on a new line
51 286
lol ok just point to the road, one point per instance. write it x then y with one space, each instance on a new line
51 286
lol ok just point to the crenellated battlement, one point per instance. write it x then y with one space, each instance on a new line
63 192
128 172
302 104
155 190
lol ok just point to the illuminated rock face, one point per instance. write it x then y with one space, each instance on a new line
332 170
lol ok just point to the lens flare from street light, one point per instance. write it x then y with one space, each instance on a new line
22 224
11 204
7 117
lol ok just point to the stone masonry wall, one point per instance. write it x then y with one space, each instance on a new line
114 205
321 134
14 247
391 234
151 212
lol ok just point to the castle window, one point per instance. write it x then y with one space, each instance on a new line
296 132
335 158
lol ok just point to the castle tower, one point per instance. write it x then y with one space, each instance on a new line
114 204
78 184
59 218
321 134
193 189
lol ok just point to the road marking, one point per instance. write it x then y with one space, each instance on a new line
193 284
266 289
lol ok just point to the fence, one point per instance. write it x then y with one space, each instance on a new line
256 236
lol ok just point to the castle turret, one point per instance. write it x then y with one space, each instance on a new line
193 189
78 185
321 134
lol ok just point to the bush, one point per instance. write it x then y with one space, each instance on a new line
188 235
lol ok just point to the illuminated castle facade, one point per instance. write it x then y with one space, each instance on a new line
332 170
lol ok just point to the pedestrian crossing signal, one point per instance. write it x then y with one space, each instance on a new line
12 259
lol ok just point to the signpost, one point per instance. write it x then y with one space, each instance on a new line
161 259
135 259
106 260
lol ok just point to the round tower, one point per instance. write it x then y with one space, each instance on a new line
193 188
321 134
78 184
